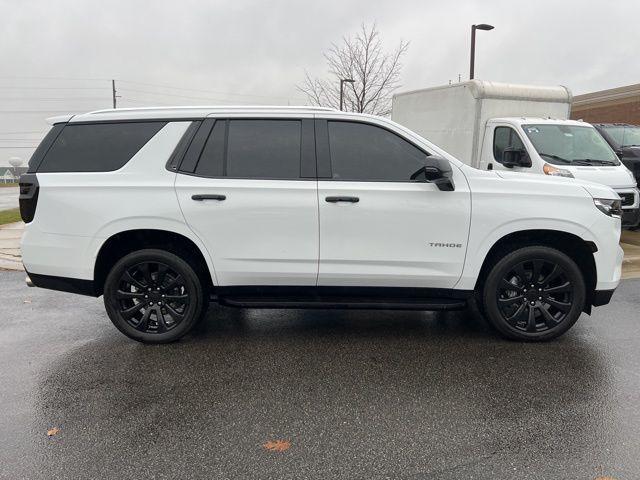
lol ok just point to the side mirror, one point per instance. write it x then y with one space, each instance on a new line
620 154
515 157
436 170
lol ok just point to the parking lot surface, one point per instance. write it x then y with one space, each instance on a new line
357 394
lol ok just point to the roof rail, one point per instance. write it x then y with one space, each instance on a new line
218 107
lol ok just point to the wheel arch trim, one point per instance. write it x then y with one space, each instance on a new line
558 239
483 241
110 231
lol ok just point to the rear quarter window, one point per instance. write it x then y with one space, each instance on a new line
97 147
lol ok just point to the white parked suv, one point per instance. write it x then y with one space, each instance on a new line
162 210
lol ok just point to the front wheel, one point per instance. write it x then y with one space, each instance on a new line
153 296
534 294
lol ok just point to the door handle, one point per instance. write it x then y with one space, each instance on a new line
342 199
200 198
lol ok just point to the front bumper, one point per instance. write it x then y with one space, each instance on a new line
601 297
630 206
630 218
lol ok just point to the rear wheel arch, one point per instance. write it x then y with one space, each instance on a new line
576 248
128 241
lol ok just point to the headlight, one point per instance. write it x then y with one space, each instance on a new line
613 208
555 171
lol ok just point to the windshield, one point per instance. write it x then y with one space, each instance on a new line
570 144
624 135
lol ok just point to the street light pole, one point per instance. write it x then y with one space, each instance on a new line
342 82
482 26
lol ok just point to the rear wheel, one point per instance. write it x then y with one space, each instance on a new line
534 293
153 296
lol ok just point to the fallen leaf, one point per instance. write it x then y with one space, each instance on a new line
605 478
52 431
277 445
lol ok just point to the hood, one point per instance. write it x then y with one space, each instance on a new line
614 177
596 190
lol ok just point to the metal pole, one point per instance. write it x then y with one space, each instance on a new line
113 92
341 84
473 52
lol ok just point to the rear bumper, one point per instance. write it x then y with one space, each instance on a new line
62 284
69 256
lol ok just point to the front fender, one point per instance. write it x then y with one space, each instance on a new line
482 240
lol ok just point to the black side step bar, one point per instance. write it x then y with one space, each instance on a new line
343 303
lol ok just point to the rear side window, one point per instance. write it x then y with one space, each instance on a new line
97 147
264 149
364 152
45 145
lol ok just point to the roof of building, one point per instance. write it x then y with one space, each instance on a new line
611 94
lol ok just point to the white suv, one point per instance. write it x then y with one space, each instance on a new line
163 210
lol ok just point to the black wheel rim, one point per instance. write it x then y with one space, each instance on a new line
152 297
535 296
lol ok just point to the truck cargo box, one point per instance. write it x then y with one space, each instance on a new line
453 116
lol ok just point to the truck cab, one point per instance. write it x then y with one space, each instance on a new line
564 148
517 128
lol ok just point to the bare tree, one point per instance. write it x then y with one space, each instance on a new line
363 59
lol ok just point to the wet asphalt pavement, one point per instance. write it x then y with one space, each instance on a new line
357 394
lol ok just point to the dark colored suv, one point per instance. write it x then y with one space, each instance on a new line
625 140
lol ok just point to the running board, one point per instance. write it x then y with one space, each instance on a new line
344 303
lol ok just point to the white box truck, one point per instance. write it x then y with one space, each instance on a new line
517 128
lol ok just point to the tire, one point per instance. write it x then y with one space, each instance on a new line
542 312
153 296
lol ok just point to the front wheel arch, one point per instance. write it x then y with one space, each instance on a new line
534 294
576 248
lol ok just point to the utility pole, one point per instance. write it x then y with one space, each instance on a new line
113 92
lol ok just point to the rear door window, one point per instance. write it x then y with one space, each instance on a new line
211 162
264 149
97 147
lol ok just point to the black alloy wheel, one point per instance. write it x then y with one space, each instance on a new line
534 293
153 296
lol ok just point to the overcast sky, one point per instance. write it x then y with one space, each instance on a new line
255 52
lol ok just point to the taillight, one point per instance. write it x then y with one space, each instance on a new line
28 196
